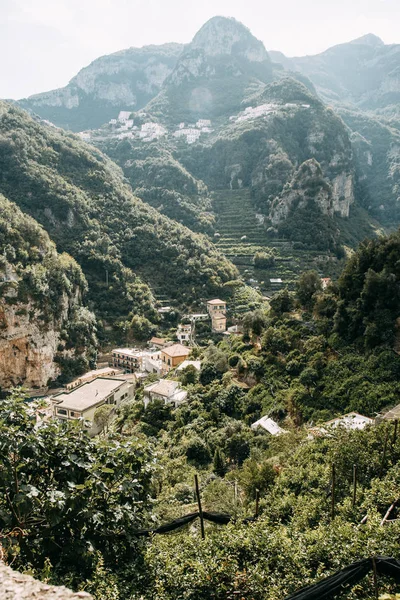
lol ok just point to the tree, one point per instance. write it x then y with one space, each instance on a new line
62 492
102 416
264 260
189 375
308 284
282 302
219 464
142 329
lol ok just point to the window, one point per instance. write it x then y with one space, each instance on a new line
74 414
61 411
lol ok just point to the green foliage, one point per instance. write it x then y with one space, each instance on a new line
81 199
264 260
307 286
65 497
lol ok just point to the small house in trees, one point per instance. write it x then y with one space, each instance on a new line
351 420
184 333
174 355
269 425
170 392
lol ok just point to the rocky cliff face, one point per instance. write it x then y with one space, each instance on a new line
307 185
126 80
214 73
42 318
27 348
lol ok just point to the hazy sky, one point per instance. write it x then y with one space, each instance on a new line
45 42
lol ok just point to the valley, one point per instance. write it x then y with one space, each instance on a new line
199 322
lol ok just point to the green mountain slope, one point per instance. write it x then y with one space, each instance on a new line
121 243
44 322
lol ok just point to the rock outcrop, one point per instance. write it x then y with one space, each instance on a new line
125 80
17 586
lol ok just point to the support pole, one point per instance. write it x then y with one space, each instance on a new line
375 578
384 453
354 484
395 432
257 502
333 491
196 482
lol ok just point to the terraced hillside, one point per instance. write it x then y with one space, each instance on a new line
240 233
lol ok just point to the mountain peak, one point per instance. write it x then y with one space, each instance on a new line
369 39
225 35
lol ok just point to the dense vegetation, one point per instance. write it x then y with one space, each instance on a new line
121 243
48 287
70 507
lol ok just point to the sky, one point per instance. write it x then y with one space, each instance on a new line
44 43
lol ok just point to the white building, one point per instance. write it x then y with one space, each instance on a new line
351 420
184 333
113 121
132 360
203 123
124 115
170 392
83 401
90 375
190 363
269 425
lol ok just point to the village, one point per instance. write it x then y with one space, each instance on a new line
156 370
123 126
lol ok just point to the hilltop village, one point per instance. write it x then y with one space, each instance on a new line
128 125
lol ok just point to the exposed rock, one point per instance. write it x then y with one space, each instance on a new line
307 184
17 586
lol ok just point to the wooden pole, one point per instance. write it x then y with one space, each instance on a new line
389 510
384 453
257 501
395 432
196 482
375 578
354 484
333 491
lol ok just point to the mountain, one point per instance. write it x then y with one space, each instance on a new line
364 72
221 66
125 80
122 244
44 322
376 148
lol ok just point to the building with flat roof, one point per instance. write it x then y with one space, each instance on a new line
90 375
190 363
83 401
132 359
269 425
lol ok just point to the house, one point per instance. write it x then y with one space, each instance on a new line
392 415
203 123
275 281
170 392
216 306
190 363
269 425
127 359
157 342
86 377
351 420
218 323
184 332
113 121
193 318
124 116
172 356
151 362
83 401
132 360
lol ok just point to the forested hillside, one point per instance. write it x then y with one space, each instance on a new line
121 243
44 321
295 363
